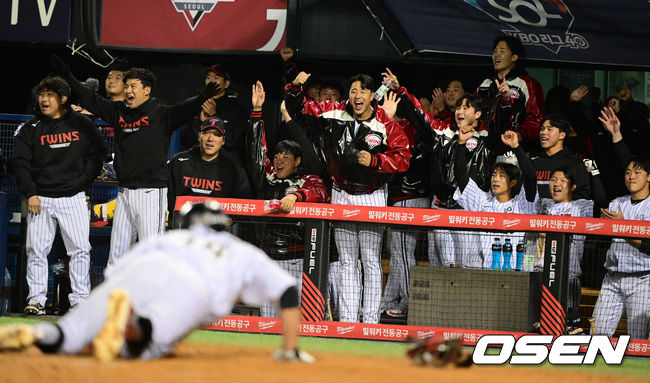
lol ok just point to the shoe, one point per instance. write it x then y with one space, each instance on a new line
34 309
16 336
108 343
396 313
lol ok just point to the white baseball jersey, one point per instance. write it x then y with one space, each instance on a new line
475 199
575 208
621 256
179 281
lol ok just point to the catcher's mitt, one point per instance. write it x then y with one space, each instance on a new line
438 352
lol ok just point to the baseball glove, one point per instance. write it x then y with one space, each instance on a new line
438 352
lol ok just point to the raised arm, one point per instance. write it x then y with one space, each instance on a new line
460 162
257 160
511 139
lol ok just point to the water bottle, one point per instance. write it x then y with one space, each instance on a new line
521 250
507 254
529 258
496 254
379 94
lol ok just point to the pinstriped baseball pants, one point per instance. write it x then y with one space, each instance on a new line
72 216
293 267
402 257
139 214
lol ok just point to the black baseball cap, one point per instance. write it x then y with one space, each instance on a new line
218 70
214 123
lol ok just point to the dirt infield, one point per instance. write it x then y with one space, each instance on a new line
195 363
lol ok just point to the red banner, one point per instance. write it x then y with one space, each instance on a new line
458 219
383 332
242 25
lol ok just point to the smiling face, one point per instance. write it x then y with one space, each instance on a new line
360 99
503 58
637 181
136 93
551 138
501 183
114 85
51 104
466 116
454 92
210 143
285 165
561 187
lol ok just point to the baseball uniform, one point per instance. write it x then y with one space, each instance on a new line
626 286
56 160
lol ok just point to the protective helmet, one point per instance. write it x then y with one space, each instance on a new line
206 213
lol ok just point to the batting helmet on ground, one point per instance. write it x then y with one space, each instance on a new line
206 213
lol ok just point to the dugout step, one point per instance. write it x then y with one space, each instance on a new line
588 300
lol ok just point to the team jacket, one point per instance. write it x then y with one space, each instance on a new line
526 107
415 182
544 165
189 175
142 134
379 135
279 240
438 138
56 157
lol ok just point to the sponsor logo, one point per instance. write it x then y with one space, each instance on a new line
565 349
594 226
424 334
266 325
471 144
350 213
314 234
193 10
312 250
531 21
511 222
551 266
344 330
373 140
430 218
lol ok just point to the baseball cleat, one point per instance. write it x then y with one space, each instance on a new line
108 343
16 336
34 309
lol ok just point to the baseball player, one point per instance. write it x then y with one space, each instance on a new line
363 146
524 100
507 195
562 185
626 286
57 155
205 170
167 287
407 189
281 180
143 128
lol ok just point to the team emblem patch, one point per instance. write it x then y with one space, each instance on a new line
290 190
471 144
193 10
373 140
514 94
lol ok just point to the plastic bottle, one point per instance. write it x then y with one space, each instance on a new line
381 91
507 255
496 253
521 251
529 258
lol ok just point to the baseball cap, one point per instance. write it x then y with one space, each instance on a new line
214 123
218 70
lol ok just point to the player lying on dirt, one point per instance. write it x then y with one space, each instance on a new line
166 288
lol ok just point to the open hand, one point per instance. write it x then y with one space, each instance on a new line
258 96
390 103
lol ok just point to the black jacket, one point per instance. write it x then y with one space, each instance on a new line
190 175
142 135
56 157
544 165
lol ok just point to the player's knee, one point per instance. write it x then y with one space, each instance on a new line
289 298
